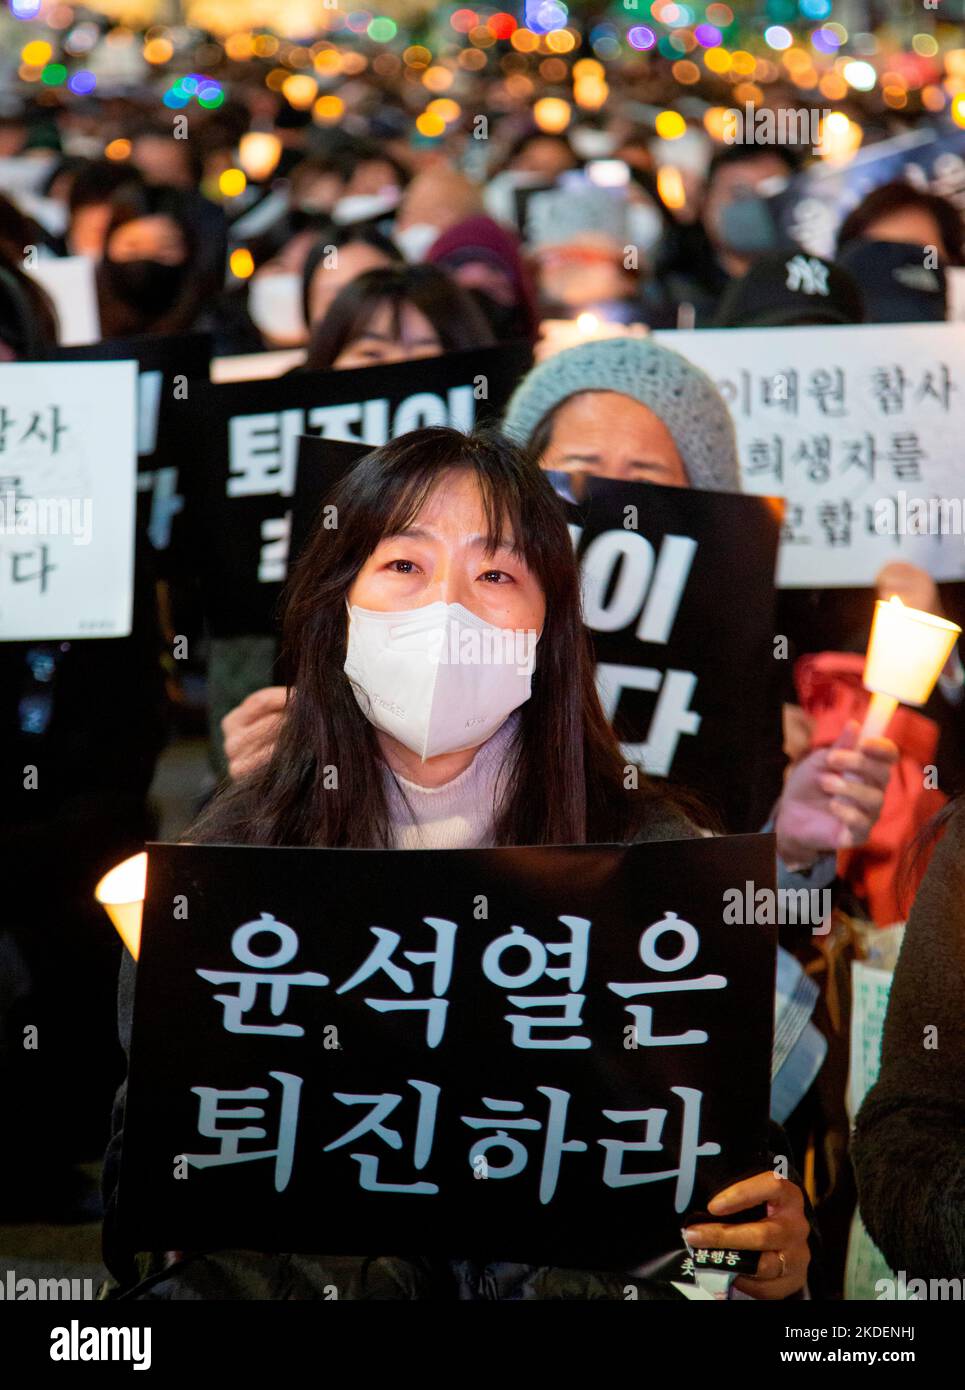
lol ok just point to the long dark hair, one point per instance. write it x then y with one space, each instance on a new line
337 238
200 281
458 321
568 779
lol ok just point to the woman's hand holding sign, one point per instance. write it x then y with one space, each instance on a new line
782 1236
251 728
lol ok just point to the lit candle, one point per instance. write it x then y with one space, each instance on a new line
121 893
906 652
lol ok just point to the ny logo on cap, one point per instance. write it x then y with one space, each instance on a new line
807 274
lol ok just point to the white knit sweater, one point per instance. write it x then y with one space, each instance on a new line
460 814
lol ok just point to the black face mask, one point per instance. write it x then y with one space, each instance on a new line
149 286
505 320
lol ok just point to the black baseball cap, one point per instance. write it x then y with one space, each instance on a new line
787 288
898 282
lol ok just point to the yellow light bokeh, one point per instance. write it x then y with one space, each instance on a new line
36 54
714 121
590 93
833 87
446 109
328 109
241 263
524 40
743 63
552 114
429 124
717 60
588 67
239 47
670 187
299 90
328 62
560 41
958 109
670 125
158 51
118 149
437 78
232 183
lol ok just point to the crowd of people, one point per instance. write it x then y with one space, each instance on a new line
359 238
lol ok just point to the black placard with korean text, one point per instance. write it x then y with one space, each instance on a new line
678 593
246 435
528 1052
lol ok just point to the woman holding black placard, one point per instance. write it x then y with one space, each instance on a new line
443 529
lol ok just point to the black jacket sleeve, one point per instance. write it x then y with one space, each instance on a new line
909 1144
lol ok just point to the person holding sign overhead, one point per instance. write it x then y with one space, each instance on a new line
443 535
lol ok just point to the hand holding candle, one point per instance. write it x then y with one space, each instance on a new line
906 652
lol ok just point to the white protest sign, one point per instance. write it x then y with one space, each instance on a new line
68 458
861 429
869 1003
69 281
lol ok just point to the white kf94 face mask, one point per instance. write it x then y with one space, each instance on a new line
437 678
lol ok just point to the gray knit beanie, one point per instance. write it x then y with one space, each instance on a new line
678 393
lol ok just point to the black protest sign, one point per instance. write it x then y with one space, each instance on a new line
246 435
678 593
321 464
526 1052
168 370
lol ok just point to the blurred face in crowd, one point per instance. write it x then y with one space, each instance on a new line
578 275
915 226
379 341
543 156
371 177
88 230
155 238
613 436
442 557
734 181
161 160
317 190
487 278
336 270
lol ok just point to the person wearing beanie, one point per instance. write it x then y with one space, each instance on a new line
626 408
485 259
789 289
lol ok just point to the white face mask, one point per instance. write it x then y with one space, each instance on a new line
275 306
415 240
437 678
